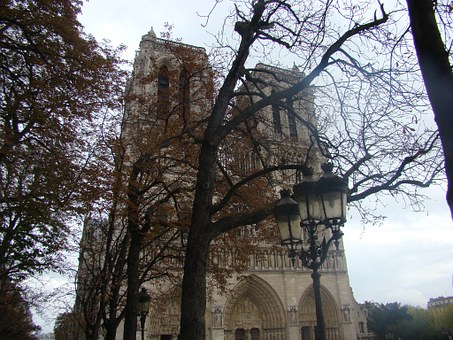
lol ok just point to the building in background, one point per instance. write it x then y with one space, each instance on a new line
440 302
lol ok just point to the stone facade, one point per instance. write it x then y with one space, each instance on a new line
272 299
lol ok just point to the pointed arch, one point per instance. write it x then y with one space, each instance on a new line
166 314
253 304
307 313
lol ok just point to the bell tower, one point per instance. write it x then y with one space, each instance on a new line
170 93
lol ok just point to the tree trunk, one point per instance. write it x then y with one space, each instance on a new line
133 286
110 329
193 300
111 324
437 76
193 304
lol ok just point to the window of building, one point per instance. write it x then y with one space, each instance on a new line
276 118
163 93
361 327
184 92
291 119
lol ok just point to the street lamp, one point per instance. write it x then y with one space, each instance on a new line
143 299
319 207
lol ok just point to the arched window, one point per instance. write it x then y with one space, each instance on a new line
163 93
184 92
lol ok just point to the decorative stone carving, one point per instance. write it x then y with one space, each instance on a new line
292 316
217 317
346 312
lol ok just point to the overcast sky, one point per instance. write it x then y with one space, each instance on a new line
409 258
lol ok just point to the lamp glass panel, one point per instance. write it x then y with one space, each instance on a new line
334 203
289 227
344 201
315 210
310 207
144 306
303 207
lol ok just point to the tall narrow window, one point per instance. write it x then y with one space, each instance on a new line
163 93
362 327
291 119
184 92
276 118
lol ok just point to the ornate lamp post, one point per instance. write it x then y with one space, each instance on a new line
143 299
319 207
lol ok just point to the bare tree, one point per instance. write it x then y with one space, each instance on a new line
359 99
352 70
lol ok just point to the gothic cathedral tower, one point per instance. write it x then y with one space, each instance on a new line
271 298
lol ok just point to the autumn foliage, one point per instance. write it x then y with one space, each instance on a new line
56 84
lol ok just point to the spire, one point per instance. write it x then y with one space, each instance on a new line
150 35
151 32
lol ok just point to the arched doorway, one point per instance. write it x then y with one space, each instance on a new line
307 315
165 315
254 311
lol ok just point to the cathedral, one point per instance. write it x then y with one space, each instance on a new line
271 297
